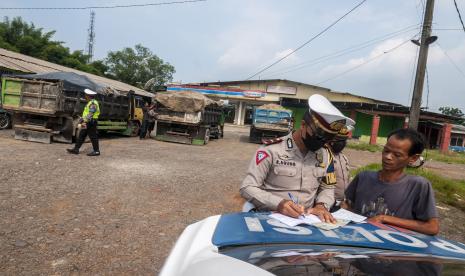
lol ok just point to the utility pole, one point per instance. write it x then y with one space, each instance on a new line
91 37
425 41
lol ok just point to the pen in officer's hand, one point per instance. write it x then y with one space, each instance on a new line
293 199
296 201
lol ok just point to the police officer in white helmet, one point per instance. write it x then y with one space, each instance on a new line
288 174
88 123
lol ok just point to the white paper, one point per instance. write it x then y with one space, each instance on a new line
295 253
344 214
289 221
349 256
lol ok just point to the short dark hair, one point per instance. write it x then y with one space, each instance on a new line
417 139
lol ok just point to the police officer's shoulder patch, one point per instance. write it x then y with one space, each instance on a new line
260 156
267 142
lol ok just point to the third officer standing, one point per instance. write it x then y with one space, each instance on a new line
88 124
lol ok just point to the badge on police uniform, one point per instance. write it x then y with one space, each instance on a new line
290 144
261 155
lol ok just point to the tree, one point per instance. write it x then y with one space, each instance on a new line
453 111
137 66
22 37
133 66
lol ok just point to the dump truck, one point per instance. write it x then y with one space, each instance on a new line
187 117
47 107
270 121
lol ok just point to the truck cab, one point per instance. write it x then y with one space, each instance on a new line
270 123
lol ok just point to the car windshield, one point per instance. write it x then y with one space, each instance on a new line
338 260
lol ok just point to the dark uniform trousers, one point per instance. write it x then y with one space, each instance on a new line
91 130
144 128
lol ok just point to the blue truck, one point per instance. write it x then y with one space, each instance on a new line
270 121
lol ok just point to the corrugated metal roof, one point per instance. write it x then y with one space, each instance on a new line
19 62
327 90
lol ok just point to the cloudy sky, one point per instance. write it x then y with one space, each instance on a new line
368 53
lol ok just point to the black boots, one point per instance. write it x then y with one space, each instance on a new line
94 153
73 151
76 151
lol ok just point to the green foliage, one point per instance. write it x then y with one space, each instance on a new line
453 111
137 66
448 191
19 36
133 66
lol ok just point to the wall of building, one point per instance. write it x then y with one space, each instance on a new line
303 91
363 123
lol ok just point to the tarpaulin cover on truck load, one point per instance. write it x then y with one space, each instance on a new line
185 101
71 81
273 107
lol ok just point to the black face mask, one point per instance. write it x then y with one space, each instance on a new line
338 146
312 142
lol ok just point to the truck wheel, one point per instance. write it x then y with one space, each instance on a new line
5 121
207 136
135 128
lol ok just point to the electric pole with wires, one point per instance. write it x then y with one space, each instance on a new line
424 42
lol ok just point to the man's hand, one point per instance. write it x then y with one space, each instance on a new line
377 219
289 208
323 214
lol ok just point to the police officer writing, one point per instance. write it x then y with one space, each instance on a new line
88 124
288 174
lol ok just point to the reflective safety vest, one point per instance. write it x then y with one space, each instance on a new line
91 107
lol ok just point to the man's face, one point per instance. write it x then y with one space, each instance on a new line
395 154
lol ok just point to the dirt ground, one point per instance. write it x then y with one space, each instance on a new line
121 213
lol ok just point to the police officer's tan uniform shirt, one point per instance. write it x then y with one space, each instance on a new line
341 168
281 168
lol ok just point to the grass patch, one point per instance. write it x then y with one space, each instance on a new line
364 146
450 157
448 191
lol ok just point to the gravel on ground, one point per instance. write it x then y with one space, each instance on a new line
121 212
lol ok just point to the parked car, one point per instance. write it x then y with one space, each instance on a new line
255 244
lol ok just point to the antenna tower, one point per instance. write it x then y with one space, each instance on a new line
91 37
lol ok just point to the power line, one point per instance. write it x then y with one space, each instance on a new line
427 87
412 78
364 63
103 7
308 41
451 61
343 52
460 16
448 29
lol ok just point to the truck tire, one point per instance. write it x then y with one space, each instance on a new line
255 135
5 121
135 128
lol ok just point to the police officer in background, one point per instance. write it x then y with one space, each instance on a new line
287 174
88 124
341 165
